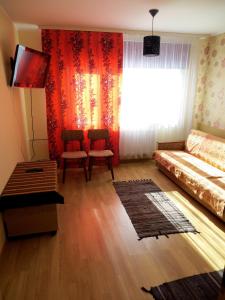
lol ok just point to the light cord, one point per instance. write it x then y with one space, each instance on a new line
152 24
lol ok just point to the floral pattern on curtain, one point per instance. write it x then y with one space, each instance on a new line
83 84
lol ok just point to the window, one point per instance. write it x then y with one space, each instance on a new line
155 101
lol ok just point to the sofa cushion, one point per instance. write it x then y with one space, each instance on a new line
204 180
207 147
194 142
213 151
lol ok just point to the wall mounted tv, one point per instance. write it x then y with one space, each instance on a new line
29 68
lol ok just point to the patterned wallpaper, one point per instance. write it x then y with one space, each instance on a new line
210 97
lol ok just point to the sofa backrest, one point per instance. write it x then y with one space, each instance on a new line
207 147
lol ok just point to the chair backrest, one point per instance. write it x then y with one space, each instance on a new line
72 135
99 134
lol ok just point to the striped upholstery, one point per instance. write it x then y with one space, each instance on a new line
204 180
207 147
31 183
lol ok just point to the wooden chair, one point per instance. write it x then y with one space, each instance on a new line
70 136
96 135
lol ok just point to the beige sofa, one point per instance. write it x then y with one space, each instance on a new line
198 166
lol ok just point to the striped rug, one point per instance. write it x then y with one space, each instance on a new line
151 212
205 286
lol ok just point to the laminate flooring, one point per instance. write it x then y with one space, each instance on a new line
96 254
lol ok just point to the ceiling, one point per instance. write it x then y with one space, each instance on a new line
190 16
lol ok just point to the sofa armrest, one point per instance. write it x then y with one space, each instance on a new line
171 145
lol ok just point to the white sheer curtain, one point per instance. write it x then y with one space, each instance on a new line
157 94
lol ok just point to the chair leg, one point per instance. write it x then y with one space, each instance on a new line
84 167
108 163
90 166
64 170
111 167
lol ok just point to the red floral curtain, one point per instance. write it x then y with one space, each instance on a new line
83 84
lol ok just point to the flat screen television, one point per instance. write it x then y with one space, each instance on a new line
29 68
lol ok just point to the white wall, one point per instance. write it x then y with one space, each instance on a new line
13 130
30 36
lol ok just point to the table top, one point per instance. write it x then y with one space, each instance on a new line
32 177
31 182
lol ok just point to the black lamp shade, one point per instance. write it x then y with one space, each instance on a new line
151 45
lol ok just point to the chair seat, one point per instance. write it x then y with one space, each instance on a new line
100 153
74 154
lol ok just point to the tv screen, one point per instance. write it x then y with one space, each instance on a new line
29 68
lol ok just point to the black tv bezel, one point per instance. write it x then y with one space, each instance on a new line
14 60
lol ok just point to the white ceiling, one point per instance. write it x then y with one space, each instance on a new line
183 16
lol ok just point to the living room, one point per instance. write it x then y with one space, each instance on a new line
98 252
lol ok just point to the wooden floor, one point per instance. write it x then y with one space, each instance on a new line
96 254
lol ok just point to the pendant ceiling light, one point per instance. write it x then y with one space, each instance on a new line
152 42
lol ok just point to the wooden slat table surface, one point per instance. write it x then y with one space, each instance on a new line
34 180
